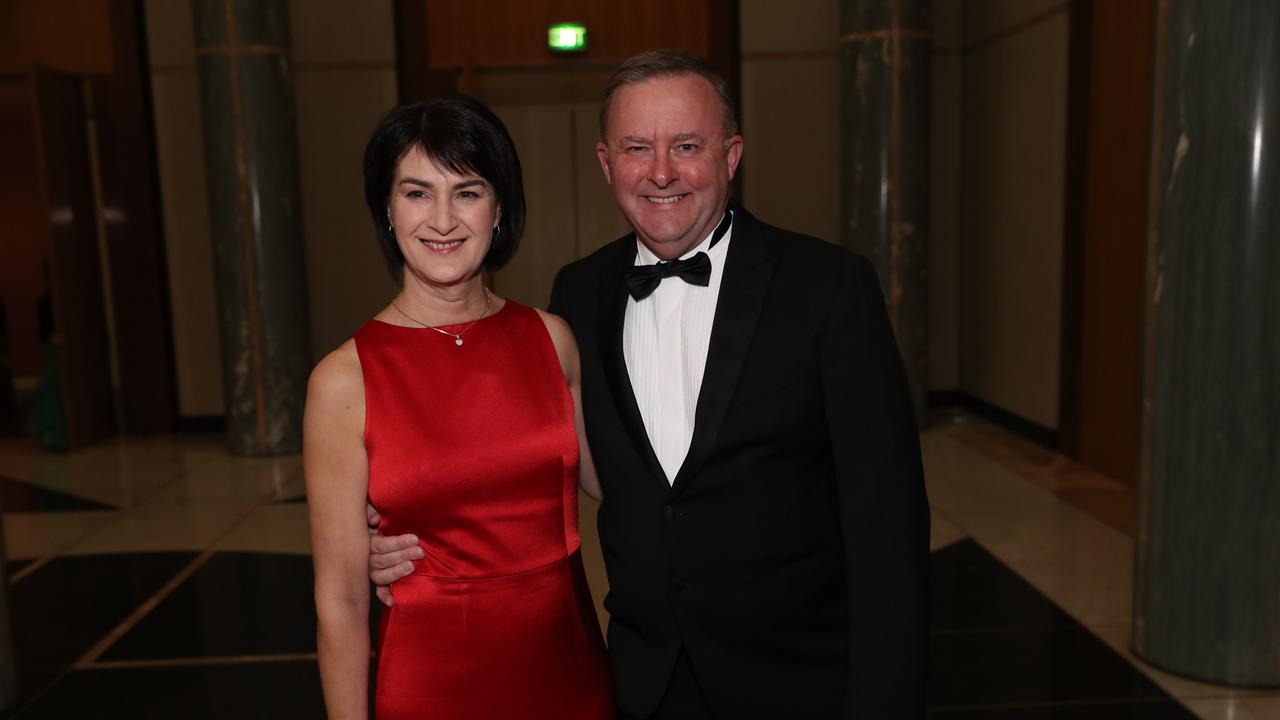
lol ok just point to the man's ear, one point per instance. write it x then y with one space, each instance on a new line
602 154
734 153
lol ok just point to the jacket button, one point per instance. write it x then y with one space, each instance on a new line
678 584
668 511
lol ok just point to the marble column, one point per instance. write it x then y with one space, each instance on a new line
1207 581
246 87
884 116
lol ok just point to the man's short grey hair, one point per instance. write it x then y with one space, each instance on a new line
664 64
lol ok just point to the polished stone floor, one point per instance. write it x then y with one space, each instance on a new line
161 578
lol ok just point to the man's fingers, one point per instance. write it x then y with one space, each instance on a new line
379 544
384 595
386 560
386 576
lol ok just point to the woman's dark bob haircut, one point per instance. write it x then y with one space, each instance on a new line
461 135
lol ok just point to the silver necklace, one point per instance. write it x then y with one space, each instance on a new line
457 337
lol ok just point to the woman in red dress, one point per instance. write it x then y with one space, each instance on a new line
455 412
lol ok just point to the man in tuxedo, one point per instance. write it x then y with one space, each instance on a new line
764 523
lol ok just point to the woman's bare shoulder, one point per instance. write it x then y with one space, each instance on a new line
565 344
557 327
337 379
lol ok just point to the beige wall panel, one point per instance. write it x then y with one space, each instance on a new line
791 157
1011 269
346 278
796 26
188 249
984 19
525 86
944 221
340 31
170 37
544 138
599 220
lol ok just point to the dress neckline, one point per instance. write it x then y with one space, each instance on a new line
505 304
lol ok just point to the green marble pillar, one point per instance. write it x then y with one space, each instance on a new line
1207 580
246 87
884 116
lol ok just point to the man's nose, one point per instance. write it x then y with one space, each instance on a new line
662 172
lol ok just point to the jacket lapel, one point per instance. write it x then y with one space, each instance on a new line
612 311
748 267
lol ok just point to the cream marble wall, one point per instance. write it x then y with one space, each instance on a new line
344 73
175 97
545 139
345 81
553 117
945 144
1011 199
790 114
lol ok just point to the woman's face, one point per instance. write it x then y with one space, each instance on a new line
443 221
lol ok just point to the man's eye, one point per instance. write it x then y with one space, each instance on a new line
686 147
468 195
636 148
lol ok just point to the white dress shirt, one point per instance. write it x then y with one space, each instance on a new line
664 341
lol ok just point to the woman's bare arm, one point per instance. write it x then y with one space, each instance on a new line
337 476
567 350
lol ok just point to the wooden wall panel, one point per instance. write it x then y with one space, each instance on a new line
1104 253
72 36
125 133
65 179
24 243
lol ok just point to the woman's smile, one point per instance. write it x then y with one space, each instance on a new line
442 247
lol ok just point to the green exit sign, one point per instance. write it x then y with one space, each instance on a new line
567 37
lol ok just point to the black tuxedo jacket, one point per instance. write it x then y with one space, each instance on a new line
789 557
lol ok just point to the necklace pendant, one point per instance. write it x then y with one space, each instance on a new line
457 341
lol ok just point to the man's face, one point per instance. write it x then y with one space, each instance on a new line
667 161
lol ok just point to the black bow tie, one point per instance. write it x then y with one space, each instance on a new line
642 280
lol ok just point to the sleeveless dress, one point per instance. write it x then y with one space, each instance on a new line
473 449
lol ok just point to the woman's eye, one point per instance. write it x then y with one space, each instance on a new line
415 194
468 195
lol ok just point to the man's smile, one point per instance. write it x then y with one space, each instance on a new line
666 200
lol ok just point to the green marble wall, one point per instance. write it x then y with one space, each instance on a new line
246 86
884 116
1207 593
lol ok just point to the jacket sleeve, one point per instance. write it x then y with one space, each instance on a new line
884 511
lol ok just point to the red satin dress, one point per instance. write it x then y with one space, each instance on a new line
473 449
